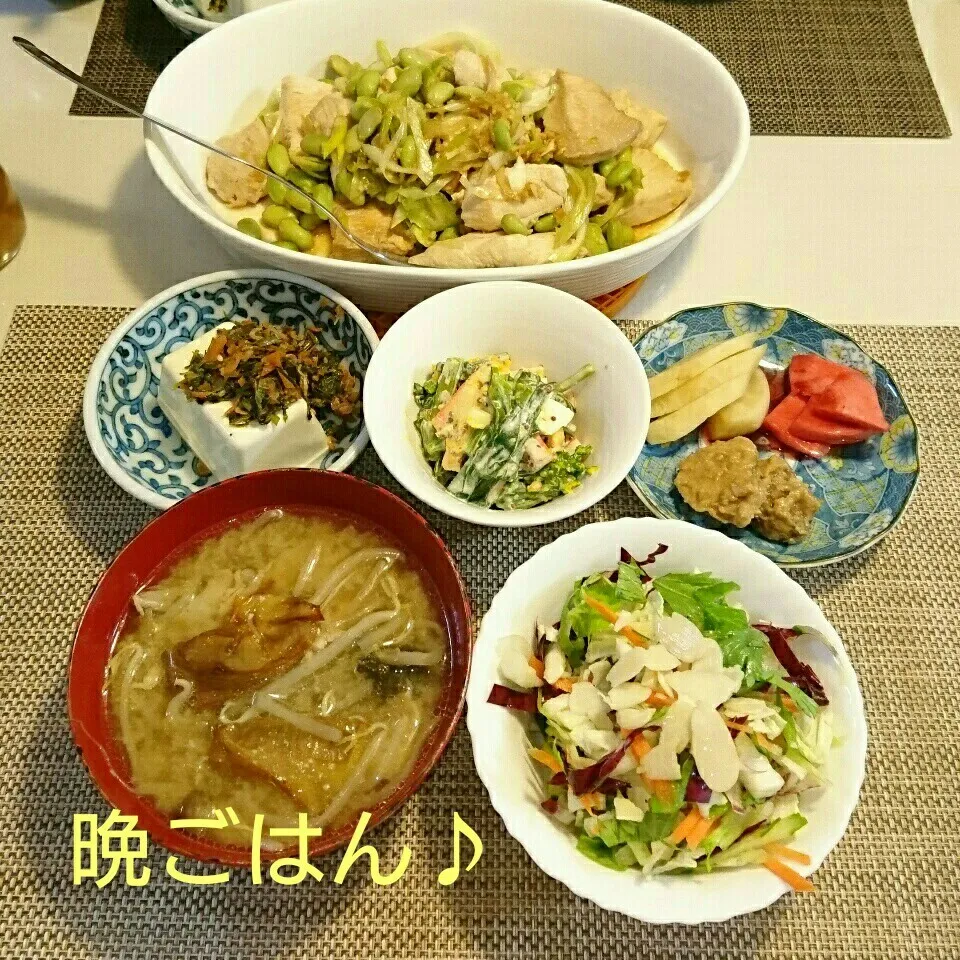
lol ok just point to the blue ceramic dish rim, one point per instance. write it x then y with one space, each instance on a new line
655 509
91 389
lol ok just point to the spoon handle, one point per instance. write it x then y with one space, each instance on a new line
64 71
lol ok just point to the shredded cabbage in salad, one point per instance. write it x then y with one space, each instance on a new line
671 736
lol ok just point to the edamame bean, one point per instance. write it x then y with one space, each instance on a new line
323 194
513 89
351 142
501 135
345 185
250 227
620 174
605 166
440 69
546 224
300 179
369 83
361 105
511 223
278 158
310 221
285 244
618 234
368 123
448 233
407 152
312 144
340 65
276 191
299 202
438 93
468 93
594 241
412 57
408 81
312 166
273 214
292 232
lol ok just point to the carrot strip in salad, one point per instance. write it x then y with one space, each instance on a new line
787 853
564 683
593 801
547 759
659 699
788 875
640 747
611 617
736 726
684 827
699 833
537 666
661 789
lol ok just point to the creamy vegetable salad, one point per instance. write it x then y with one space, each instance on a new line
674 735
498 436
441 154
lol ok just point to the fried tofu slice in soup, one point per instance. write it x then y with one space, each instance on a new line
541 189
231 182
488 250
664 188
372 224
585 123
298 96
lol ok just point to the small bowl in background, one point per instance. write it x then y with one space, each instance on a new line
535 325
184 16
128 432
164 541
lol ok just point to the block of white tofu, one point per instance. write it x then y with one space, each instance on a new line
230 450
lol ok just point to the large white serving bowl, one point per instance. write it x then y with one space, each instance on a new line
222 80
535 325
537 591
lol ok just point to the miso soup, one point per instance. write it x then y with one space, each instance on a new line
292 663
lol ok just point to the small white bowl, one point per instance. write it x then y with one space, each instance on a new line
183 15
537 591
535 325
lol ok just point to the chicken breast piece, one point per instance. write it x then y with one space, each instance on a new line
652 122
585 123
233 183
488 250
664 188
486 203
371 223
298 96
322 117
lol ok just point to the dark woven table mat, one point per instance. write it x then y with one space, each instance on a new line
890 890
807 67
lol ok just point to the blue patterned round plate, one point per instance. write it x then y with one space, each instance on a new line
125 426
864 488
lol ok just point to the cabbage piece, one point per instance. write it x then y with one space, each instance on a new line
576 213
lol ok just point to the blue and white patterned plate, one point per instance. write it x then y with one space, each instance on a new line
125 426
864 488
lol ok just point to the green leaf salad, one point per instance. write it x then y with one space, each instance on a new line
674 735
498 436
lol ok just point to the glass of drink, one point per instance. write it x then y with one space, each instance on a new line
12 223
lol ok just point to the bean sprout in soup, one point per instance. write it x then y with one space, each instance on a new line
292 663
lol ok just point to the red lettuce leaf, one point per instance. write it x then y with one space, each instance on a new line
502 696
588 779
798 673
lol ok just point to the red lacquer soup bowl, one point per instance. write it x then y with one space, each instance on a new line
180 531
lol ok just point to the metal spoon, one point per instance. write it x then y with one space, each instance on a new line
57 67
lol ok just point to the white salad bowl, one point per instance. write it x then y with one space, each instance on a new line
223 79
535 325
537 590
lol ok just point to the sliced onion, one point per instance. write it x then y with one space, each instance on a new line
178 699
306 571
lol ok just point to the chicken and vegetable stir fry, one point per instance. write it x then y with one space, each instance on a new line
442 155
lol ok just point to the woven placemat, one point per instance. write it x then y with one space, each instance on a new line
807 67
890 890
